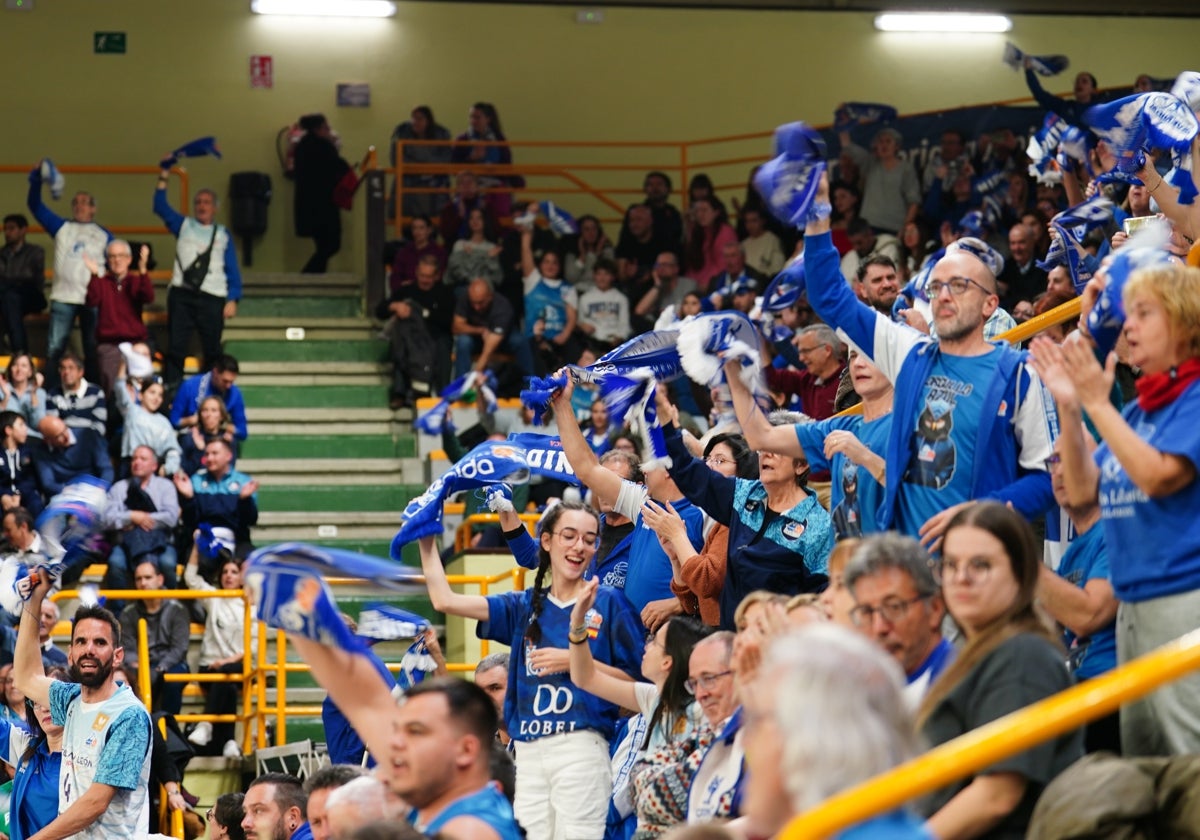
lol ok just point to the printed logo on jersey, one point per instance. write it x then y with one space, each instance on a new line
100 722
935 456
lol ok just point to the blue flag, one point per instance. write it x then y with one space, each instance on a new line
71 521
560 221
460 390
292 597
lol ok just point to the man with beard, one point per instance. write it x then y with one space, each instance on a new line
958 393
106 742
877 284
275 807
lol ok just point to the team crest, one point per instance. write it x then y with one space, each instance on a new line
592 621
100 722
793 530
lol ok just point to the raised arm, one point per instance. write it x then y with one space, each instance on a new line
528 266
443 598
1081 476
579 455
585 672
46 217
759 432
171 217
28 674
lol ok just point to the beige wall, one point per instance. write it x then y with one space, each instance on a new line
644 74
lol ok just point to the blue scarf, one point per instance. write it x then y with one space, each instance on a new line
1043 65
544 456
1072 226
462 389
70 523
1143 122
385 623
1143 250
851 114
488 463
196 148
788 182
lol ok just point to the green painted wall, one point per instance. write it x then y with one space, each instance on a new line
644 74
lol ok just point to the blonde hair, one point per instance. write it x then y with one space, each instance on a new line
1177 288
841 554
804 599
759 596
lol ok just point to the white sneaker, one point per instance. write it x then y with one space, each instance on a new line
202 734
232 749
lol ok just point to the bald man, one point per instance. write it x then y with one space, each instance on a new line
64 453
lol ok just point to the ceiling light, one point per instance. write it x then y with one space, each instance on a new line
941 22
324 8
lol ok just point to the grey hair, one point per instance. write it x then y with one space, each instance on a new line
636 475
856 723
367 798
121 243
209 191
881 552
783 417
333 777
826 335
486 282
492 660
722 637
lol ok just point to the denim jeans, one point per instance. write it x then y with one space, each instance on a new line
62 318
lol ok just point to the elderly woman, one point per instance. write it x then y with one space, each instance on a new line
779 535
855 726
1144 478
989 572
891 189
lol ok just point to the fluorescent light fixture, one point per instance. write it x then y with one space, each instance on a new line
941 22
324 8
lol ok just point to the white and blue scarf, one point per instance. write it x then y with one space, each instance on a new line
1138 124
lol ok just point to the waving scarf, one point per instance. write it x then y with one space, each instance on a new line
1140 123
196 148
850 114
385 623
1042 148
50 175
462 389
1143 250
788 182
1043 65
488 463
1072 226
544 455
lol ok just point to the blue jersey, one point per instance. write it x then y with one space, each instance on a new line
1155 542
34 803
487 804
344 743
548 300
538 705
1086 559
649 575
856 496
940 470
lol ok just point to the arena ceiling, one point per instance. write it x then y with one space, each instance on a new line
1091 8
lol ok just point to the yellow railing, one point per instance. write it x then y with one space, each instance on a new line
464 532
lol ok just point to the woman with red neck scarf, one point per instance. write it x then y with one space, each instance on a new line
1144 478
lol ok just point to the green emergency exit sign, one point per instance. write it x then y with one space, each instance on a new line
109 43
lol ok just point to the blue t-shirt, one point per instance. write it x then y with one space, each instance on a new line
1155 542
856 496
940 472
487 804
548 299
894 825
649 575
538 705
34 803
344 743
1086 559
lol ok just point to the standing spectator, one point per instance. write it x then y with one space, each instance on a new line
18 478
847 201
225 818
589 246
274 809
946 162
824 358
319 169
220 381
68 290
78 402
103 791
420 338
118 297
482 144
551 306
1071 110
65 453
213 421
20 389
420 126
22 281
167 634
484 323
35 754
708 234
218 495
866 245
604 310
1022 278
668 222
891 191
420 244
319 786
452 218
761 247
222 650
139 402
206 284
476 255
143 510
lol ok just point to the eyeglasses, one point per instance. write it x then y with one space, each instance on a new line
957 286
569 536
718 461
891 611
208 815
804 351
705 682
975 570
120 255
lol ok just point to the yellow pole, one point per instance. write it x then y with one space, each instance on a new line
143 671
1007 736
280 689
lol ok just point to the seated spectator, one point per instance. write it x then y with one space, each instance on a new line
846 201
865 244
708 234
716 777
735 271
21 392
212 421
219 496
319 786
475 255
551 307
12 701
225 817
221 382
139 402
946 162
1021 279
22 281
420 338
78 402
851 696
420 126
452 219
167 634
891 190
222 650
143 510
989 572
916 247
36 743
274 807
584 250
691 305
483 144
118 296
639 245
64 453
361 802
52 657
603 310
420 243
1052 300
824 358
24 542
485 322
664 289
761 248
18 477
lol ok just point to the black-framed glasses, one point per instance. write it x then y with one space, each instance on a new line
957 285
705 682
892 611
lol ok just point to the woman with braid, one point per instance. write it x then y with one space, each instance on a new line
561 731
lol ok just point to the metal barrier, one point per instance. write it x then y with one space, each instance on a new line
462 535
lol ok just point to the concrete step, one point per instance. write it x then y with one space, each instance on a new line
322 368
329 421
308 380
262 348
279 303
346 446
333 472
303 396
294 280
324 497
356 331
